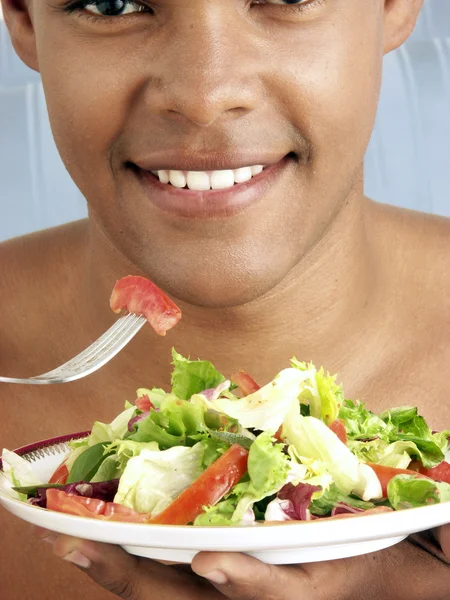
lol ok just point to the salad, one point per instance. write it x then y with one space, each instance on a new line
213 451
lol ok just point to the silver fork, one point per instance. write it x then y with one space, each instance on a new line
95 356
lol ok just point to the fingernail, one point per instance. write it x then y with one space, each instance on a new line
217 577
78 559
50 539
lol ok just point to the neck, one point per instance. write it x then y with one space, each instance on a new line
319 312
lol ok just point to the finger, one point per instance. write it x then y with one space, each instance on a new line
241 577
443 535
128 576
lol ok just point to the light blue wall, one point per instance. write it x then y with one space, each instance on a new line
407 164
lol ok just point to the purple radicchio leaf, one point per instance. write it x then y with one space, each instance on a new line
300 498
134 420
341 509
214 393
103 490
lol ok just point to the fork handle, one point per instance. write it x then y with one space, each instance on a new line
34 381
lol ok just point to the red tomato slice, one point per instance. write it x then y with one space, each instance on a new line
245 383
117 512
92 508
208 489
385 474
144 404
60 475
439 473
74 505
338 428
142 297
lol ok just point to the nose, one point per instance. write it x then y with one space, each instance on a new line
206 70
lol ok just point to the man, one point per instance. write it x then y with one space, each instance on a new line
220 146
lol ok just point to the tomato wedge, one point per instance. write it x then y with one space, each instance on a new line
144 404
142 297
117 512
338 428
439 473
208 489
385 474
74 505
245 383
92 508
60 475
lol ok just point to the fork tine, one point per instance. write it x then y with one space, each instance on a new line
97 354
110 334
94 363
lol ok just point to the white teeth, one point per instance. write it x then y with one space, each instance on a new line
199 181
242 175
257 170
206 180
221 180
164 176
178 179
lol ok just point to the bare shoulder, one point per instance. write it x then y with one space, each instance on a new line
412 252
37 273
416 246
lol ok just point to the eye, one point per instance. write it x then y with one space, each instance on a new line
110 8
283 2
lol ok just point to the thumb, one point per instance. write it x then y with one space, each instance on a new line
241 577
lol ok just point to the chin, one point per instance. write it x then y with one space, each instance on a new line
218 287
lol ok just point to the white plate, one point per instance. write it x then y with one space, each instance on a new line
277 544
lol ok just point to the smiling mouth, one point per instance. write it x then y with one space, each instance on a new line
203 181
189 192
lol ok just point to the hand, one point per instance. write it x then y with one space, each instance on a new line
216 576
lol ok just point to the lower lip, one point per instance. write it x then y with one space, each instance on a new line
211 204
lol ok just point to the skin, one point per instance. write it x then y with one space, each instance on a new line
313 269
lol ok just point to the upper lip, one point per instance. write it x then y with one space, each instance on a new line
214 161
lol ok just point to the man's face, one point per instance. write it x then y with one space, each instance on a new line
208 85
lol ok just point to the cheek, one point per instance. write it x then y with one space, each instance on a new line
332 96
88 99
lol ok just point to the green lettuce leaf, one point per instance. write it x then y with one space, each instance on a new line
312 439
109 469
191 377
268 469
405 424
175 423
320 392
408 491
362 424
323 505
153 479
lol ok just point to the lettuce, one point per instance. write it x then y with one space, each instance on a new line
324 505
362 424
267 408
268 469
153 479
312 439
172 425
405 424
19 472
191 377
320 392
408 491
